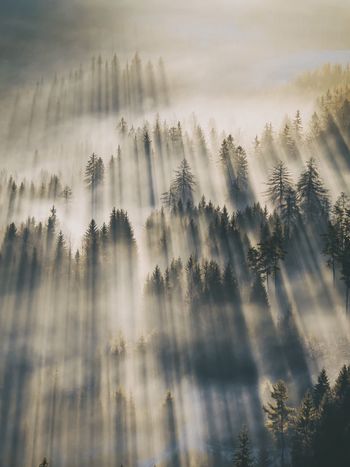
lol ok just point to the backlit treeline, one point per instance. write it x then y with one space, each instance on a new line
105 88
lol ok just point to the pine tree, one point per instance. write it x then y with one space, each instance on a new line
243 456
288 142
240 169
336 245
277 251
181 188
155 284
51 226
229 284
264 259
60 246
148 153
298 127
345 270
315 128
311 194
267 141
94 175
289 211
279 186
94 172
321 388
279 415
342 383
91 242
226 154
304 427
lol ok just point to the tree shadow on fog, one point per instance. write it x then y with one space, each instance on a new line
291 342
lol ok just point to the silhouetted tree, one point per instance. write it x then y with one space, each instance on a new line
182 187
243 456
279 186
311 194
304 427
321 388
278 415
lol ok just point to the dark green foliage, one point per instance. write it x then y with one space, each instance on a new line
279 186
304 427
243 456
155 283
119 228
337 242
321 389
319 432
181 188
264 259
311 194
288 143
279 417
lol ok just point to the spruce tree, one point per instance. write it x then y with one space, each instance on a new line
321 388
241 169
311 194
243 455
279 417
181 188
279 185
304 427
94 172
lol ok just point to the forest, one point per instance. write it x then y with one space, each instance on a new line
174 285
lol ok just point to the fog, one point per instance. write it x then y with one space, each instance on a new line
153 286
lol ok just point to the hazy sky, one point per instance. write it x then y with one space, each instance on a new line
223 42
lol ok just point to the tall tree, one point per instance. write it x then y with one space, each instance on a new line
182 187
279 417
241 169
243 455
279 185
304 427
311 193
321 388
94 175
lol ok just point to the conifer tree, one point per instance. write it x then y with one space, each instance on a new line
342 383
91 243
304 427
311 194
279 186
288 142
243 456
241 169
94 172
279 417
94 175
181 188
298 127
321 388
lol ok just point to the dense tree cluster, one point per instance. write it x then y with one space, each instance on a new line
316 433
216 295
